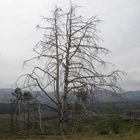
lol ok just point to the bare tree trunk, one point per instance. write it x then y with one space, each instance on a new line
17 116
40 118
57 67
12 116
24 114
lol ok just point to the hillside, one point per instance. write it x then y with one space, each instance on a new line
5 94
101 96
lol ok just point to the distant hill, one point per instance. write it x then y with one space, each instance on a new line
132 95
107 96
5 94
101 96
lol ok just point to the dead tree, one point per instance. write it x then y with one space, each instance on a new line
68 58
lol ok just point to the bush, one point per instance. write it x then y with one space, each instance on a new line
115 124
112 124
102 127
79 126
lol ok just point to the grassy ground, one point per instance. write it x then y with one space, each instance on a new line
82 131
135 136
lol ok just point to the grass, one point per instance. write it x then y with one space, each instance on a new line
134 136
116 130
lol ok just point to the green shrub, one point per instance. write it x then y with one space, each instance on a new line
111 124
102 127
79 126
114 124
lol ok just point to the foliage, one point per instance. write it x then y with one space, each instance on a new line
79 126
115 124
110 125
102 127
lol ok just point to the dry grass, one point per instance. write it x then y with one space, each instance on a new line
135 136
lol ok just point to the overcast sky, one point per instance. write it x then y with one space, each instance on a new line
120 32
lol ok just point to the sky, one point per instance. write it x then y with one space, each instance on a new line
120 31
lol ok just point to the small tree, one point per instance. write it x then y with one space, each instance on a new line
69 59
17 99
22 103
